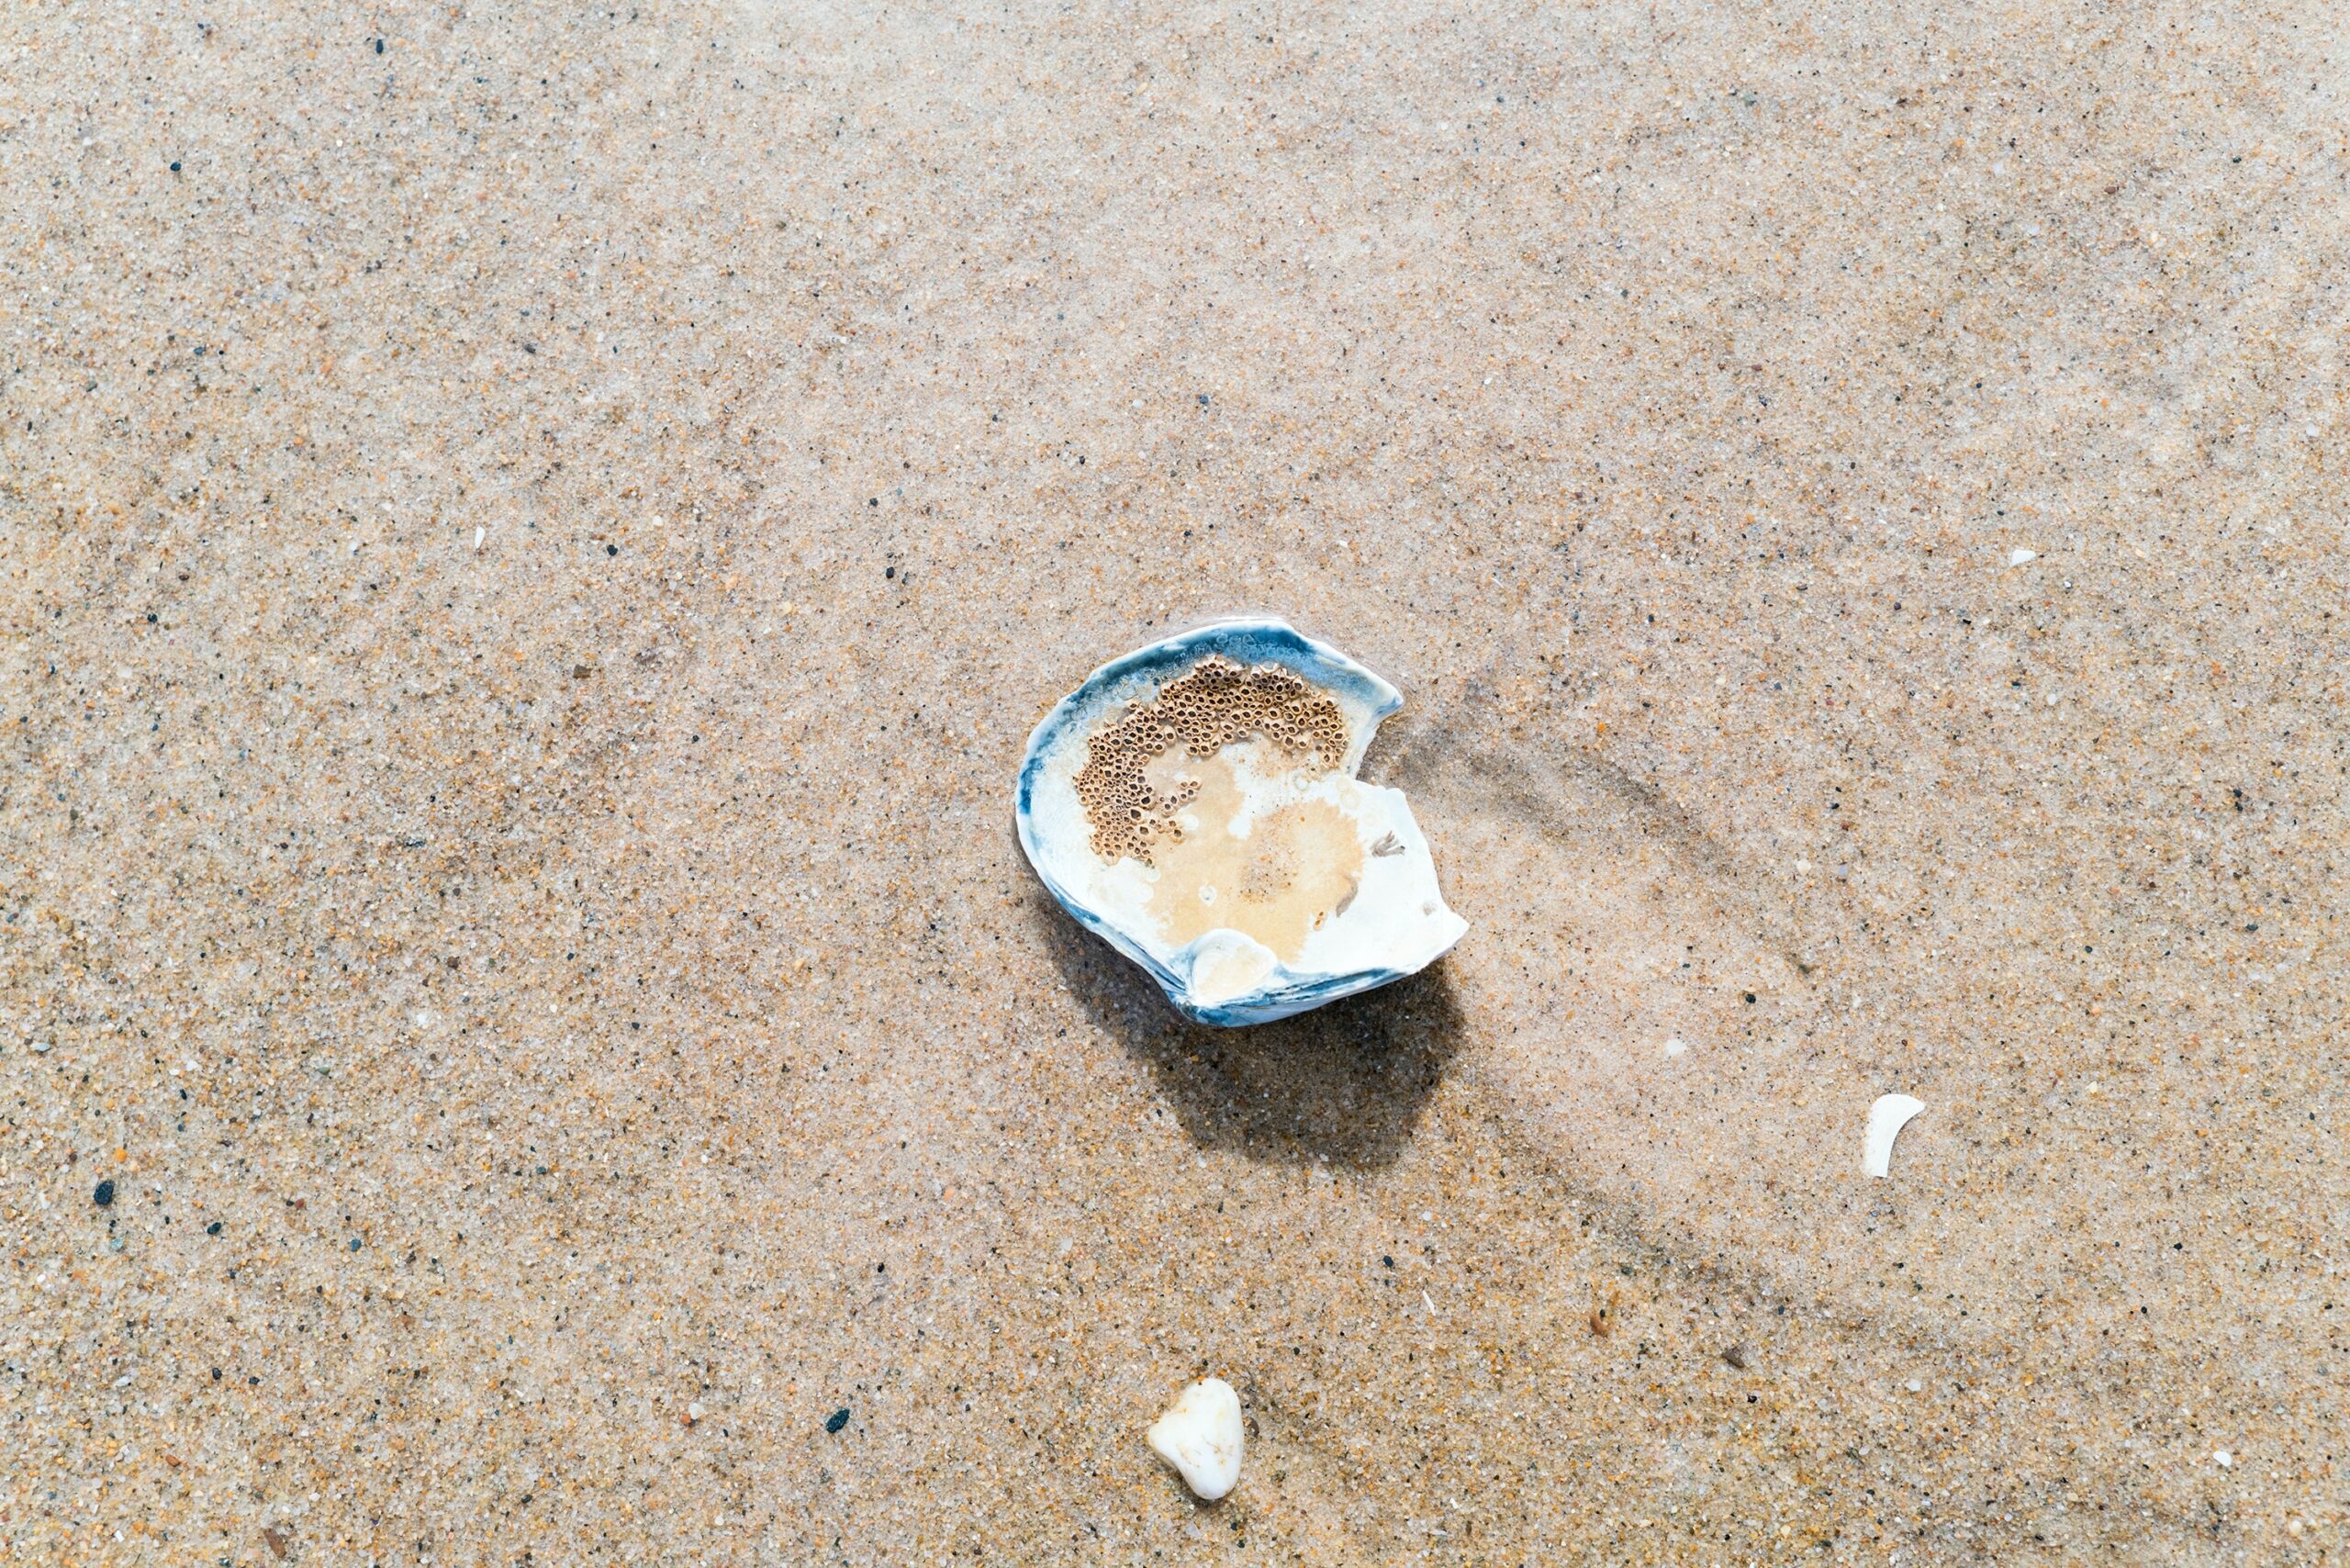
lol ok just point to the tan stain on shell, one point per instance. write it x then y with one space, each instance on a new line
1298 867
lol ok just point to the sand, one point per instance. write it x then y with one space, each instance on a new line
531 539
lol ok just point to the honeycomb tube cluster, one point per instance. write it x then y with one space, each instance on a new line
1214 704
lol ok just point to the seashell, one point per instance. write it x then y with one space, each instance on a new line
1195 804
1887 1117
1201 1436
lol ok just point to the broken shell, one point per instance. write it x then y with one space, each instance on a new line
1195 804
1887 1118
1201 1436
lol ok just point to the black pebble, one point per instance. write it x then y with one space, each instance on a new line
839 1419
212 1229
1386 1260
354 1244
175 168
104 1195
890 572
611 549
379 46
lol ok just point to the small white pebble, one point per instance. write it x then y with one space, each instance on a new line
1887 1118
694 1411
1201 1436
480 535
2223 1458
1673 1048
2018 557
1914 1386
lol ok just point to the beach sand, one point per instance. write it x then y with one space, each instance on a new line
531 540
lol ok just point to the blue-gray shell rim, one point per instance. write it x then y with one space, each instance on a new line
1247 641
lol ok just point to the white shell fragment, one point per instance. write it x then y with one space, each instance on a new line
1195 804
1887 1118
1201 1436
2020 557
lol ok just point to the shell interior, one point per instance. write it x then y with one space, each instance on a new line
1195 802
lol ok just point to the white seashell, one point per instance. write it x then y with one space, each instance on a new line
1201 1436
2019 557
1887 1118
1195 804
